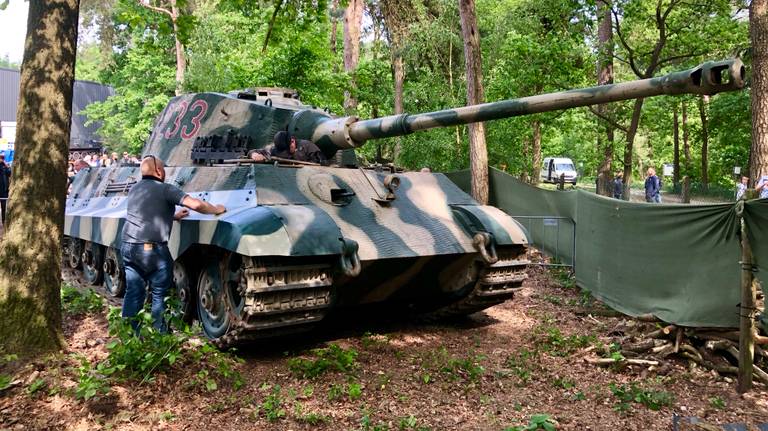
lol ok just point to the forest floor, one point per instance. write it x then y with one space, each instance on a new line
519 365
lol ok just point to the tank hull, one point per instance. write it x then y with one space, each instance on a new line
324 237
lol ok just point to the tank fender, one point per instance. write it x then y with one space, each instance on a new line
482 218
284 230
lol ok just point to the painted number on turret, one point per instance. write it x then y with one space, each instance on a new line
199 108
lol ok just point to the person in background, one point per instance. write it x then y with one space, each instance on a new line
115 159
5 183
652 187
618 185
741 187
762 187
126 158
105 161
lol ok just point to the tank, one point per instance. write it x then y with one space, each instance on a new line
299 240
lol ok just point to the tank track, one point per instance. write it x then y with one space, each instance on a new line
495 284
279 297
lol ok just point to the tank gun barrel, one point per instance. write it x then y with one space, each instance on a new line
706 79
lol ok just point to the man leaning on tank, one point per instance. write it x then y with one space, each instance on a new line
146 258
286 146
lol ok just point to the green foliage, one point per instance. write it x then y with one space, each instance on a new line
366 424
5 381
75 301
522 364
354 391
141 357
537 422
272 406
717 402
36 385
331 358
627 394
550 339
468 368
335 392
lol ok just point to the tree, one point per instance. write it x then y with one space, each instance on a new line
604 76
703 104
478 153
758 23
172 9
655 36
30 258
353 16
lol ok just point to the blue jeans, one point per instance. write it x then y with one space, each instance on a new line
142 267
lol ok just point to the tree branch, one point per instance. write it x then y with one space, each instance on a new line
146 4
623 41
674 58
608 120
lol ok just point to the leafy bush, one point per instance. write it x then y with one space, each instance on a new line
553 341
75 301
141 357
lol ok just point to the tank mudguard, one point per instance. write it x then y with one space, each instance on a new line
483 218
284 230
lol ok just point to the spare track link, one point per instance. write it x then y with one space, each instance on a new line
280 297
496 283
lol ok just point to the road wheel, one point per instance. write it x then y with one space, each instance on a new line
114 273
93 263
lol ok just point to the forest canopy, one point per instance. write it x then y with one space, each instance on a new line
528 47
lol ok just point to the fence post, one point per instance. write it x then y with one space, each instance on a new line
686 194
746 308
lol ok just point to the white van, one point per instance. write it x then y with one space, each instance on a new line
556 166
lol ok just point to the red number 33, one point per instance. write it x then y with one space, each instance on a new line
201 106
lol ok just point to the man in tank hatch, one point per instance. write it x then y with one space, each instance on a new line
151 210
286 146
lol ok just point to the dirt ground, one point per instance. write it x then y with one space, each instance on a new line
491 371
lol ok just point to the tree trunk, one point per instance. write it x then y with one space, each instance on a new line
676 149
686 142
334 27
478 153
703 101
758 22
271 25
637 109
536 151
525 171
353 17
181 61
605 76
30 256
398 71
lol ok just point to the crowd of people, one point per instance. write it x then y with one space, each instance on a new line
97 160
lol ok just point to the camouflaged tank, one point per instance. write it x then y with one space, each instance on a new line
298 240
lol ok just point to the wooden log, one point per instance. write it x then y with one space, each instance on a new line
628 361
760 374
640 346
678 339
722 369
661 332
733 336
746 313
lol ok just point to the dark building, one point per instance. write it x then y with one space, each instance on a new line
85 93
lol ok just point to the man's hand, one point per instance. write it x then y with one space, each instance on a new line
258 156
220 209
181 214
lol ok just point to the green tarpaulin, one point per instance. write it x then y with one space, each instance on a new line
677 262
